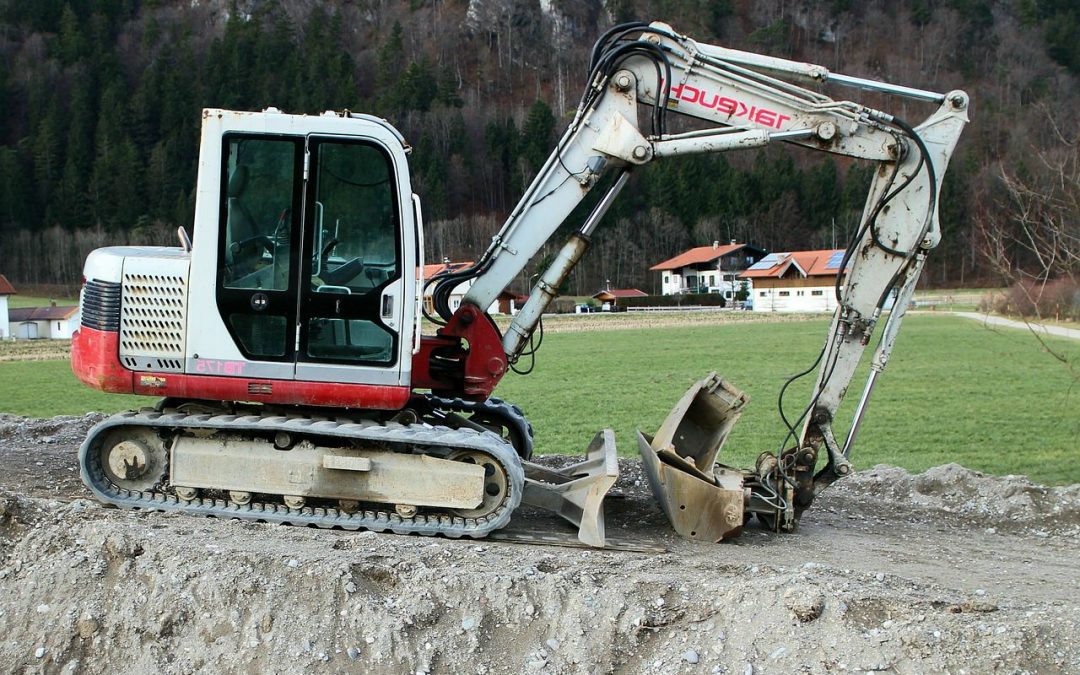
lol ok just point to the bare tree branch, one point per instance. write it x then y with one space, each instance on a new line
1033 239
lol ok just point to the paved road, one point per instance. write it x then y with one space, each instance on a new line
1060 331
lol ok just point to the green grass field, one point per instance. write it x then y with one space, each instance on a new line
954 391
48 388
16 301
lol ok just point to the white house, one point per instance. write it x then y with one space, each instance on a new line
6 289
707 269
55 323
800 281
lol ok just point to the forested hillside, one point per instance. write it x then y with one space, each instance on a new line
100 103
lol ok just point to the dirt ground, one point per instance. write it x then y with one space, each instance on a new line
949 571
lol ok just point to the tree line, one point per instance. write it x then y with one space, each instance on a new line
101 109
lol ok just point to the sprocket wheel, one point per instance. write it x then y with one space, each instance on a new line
134 461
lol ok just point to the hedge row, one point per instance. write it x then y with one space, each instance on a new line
689 299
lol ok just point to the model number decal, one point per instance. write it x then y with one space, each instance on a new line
729 106
215 367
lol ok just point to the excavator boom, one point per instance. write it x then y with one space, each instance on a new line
753 101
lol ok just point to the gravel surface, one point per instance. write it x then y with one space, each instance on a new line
947 571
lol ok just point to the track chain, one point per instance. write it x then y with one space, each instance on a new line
388 434
512 415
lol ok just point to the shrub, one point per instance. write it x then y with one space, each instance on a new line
1058 299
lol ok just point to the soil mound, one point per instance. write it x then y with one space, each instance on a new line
945 571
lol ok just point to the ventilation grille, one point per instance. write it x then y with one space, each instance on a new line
101 305
152 321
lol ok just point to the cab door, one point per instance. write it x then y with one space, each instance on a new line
351 291
257 276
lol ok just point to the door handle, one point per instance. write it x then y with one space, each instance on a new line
387 306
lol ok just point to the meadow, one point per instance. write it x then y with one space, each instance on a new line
954 391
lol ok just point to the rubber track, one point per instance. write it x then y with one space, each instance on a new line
508 411
378 521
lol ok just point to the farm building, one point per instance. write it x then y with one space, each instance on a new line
6 289
800 281
609 298
55 323
707 269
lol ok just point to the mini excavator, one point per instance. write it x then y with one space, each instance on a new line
285 339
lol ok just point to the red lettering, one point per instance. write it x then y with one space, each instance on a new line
727 105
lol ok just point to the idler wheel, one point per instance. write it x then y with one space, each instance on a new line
496 485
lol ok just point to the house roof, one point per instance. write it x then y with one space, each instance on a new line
437 268
513 295
5 286
621 293
696 256
52 313
823 263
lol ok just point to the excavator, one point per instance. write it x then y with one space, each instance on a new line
285 340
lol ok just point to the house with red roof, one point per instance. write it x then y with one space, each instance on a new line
609 298
707 269
506 303
6 289
53 322
798 281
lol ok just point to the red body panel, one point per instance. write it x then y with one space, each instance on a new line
95 361
445 366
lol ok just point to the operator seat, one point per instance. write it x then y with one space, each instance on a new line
241 250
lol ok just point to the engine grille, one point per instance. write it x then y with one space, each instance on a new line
101 305
152 318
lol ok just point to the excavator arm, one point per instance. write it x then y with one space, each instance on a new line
638 74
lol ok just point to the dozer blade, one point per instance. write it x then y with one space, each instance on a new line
702 501
576 492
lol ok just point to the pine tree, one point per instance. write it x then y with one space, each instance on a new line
536 136
71 43
448 89
417 88
48 154
15 194
391 65
5 104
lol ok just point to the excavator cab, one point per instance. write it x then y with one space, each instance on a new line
300 284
